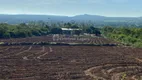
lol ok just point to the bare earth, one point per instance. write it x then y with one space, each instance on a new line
44 62
69 63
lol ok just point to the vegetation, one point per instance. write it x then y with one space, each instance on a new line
128 36
41 28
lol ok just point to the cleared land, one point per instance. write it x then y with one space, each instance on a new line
60 39
47 62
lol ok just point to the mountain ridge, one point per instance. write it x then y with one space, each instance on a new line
20 18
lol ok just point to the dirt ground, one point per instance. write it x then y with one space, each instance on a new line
70 63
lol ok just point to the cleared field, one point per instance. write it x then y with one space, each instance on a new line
70 63
61 39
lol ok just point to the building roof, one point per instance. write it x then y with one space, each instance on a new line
69 29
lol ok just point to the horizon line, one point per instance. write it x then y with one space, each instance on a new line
62 15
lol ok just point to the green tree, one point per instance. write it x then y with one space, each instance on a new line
56 30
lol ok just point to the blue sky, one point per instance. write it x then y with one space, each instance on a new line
117 8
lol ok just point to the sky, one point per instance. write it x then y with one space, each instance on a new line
110 8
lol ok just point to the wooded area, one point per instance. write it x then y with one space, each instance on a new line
40 28
126 35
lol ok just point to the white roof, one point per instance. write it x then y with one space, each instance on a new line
69 29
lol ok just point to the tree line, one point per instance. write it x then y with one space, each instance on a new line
42 28
130 36
127 35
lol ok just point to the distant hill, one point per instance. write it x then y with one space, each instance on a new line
88 17
26 18
14 19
